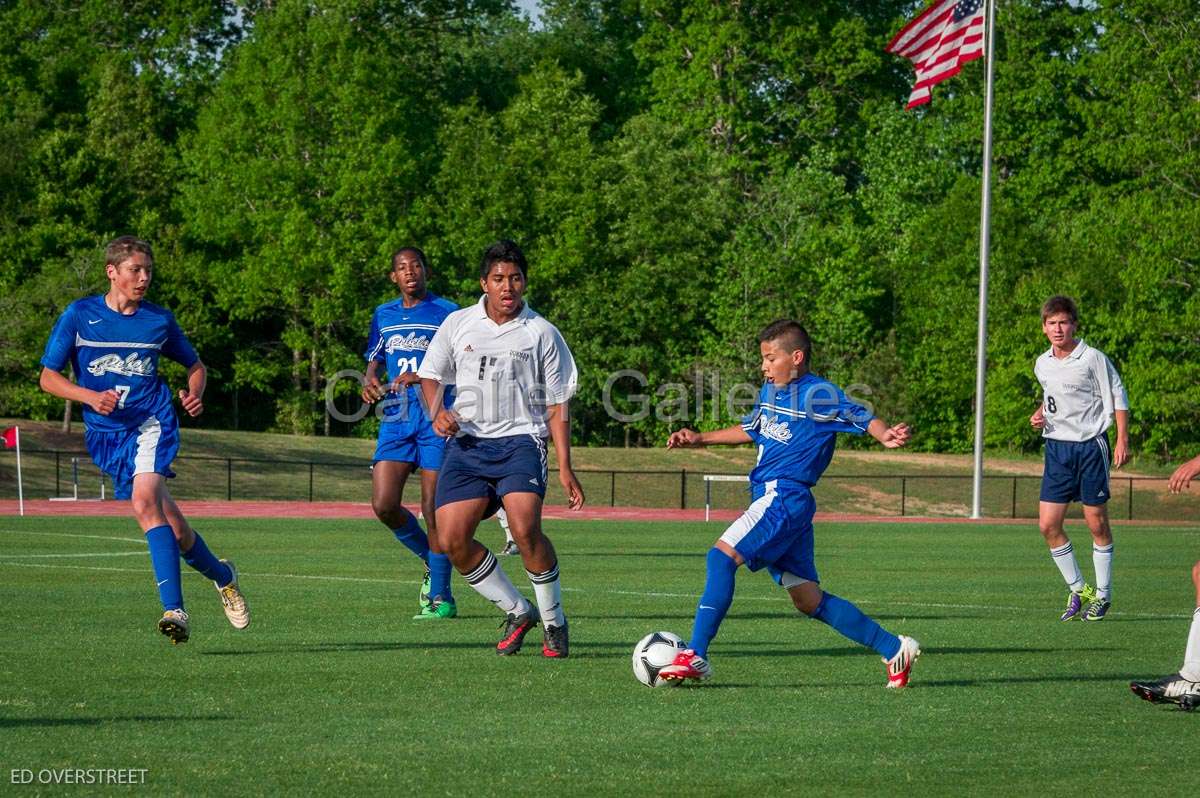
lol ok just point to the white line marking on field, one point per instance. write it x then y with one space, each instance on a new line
639 593
80 556
70 535
329 578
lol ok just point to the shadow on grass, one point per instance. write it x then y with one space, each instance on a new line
858 651
11 723
991 680
347 648
922 684
682 555
625 616
792 613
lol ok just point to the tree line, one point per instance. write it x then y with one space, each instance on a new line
680 172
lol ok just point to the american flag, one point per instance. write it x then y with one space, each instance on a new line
945 36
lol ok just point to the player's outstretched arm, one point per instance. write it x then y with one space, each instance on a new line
687 438
559 421
1184 475
891 437
55 384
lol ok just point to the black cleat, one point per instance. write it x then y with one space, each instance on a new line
515 628
1173 689
554 641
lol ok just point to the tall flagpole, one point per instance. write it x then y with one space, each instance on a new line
20 485
985 213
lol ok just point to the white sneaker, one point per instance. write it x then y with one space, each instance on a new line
174 624
234 602
900 666
509 549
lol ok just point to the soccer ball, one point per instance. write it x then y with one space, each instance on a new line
653 653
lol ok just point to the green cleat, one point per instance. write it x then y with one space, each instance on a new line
423 599
1075 602
438 608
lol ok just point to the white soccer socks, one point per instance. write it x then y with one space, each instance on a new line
1064 558
1102 557
1191 657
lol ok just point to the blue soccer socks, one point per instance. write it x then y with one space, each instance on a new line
439 576
164 557
852 623
203 560
413 537
714 602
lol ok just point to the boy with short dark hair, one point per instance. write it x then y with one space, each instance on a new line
400 334
514 377
1082 394
794 423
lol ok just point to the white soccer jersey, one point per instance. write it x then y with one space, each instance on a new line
504 375
1079 393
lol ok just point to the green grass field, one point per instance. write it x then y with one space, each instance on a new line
334 688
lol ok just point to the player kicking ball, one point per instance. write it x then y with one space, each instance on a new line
114 342
513 376
400 333
1081 395
1182 688
795 424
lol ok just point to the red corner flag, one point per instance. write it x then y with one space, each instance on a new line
947 35
10 437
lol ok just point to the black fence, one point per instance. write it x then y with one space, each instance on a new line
49 474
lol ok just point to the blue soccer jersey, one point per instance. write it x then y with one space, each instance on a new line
399 337
794 427
111 351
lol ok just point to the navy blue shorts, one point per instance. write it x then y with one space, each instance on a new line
410 440
1076 471
148 448
488 468
776 533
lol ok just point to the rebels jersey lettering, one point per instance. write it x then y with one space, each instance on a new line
794 427
110 351
1080 392
399 338
504 375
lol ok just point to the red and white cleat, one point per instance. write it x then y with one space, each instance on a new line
686 665
900 666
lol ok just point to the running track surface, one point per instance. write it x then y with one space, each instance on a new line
357 510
